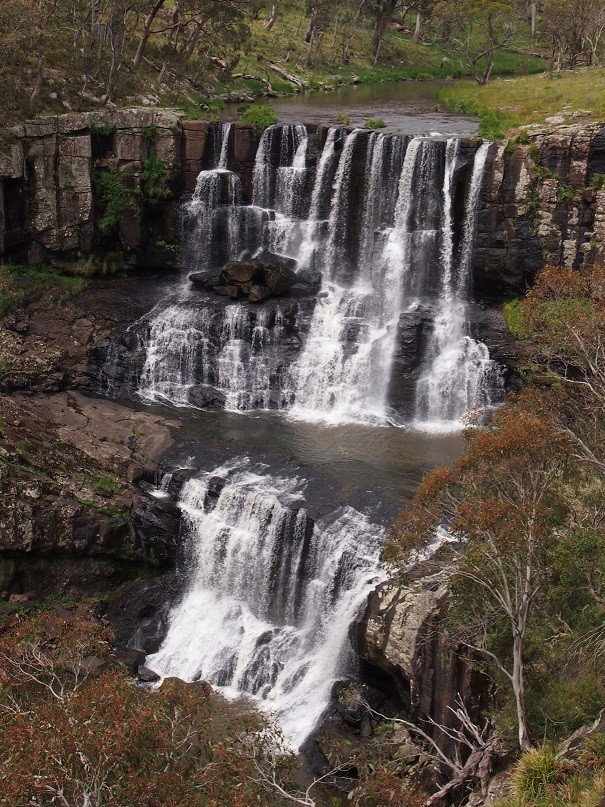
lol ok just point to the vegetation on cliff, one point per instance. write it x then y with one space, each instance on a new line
525 512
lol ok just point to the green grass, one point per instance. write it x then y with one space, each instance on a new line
375 123
514 318
260 116
16 282
503 105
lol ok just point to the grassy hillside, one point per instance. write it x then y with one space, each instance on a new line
400 57
55 59
502 105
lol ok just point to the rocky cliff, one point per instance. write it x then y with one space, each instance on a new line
543 200
543 204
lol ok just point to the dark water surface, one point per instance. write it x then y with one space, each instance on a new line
376 469
407 107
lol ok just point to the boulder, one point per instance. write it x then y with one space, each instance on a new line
301 290
89 665
278 279
268 258
147 675
239 272
258 293
311 278
131 657
231 291
205 280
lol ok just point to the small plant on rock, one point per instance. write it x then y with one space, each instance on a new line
261 116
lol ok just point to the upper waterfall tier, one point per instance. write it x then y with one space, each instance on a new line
386 224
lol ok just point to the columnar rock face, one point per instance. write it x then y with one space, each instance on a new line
403 636
543 204
543 199
52 209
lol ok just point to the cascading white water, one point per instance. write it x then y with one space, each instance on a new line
344 370
191 351
270 596
459 375
375 216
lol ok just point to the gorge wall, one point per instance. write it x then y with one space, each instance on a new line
542 201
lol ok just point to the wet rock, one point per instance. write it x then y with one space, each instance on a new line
311 278
147 675
301 290
131 657
267 258
138 612
205 280
278 279
258 293
233 292
237 272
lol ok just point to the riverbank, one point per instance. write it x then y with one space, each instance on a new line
573 96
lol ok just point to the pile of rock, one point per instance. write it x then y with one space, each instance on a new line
258 280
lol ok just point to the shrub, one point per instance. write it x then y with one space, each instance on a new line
260 116
375 123
344 118
535 771
597 182
113 196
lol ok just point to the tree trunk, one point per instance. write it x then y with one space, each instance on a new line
310 27
416 37
146 32
379 31
39 80
270 21
519 691
533 19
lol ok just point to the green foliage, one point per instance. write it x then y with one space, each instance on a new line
493 123
513 318
24 453
533 205
153 172
375 123
344 118
172 249
535 771
260 116
597 182
17 281
107 485
68 732
113 196
102 130
565 193
530 99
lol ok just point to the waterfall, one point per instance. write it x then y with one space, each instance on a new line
374 214
224 152
344 371
200 355
270 595
458 376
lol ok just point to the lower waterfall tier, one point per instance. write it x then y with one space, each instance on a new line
269 595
